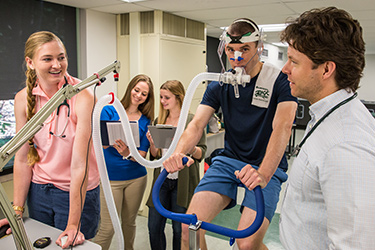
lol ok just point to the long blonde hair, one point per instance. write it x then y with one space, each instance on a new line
33 43
146 108
178 90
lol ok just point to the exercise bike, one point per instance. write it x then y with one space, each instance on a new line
195 224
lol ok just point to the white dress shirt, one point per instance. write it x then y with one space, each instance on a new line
329 201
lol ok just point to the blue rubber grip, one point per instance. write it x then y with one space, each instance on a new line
185 160
183 218
192 218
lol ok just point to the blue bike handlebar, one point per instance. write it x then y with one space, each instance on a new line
191 219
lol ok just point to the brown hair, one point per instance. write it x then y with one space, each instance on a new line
146 108
33 43
330 34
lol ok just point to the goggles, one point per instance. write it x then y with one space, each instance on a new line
245 38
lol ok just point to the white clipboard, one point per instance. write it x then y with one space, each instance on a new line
115 131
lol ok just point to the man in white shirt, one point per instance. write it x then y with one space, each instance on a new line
329 201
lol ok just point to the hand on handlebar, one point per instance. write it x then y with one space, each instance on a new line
175 162
250 177
191 219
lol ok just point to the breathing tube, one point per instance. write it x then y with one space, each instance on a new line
106 187
227 77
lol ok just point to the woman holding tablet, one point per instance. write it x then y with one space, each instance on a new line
128 178
178 188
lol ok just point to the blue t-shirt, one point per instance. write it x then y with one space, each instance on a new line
119 169
247 127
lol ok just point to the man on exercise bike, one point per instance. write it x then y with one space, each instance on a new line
258 117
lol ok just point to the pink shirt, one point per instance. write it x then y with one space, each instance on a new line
56 152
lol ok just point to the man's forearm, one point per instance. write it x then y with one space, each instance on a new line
274 152
189 139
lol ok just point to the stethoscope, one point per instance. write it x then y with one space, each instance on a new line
65 103
299 146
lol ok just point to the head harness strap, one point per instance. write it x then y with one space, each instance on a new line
245 38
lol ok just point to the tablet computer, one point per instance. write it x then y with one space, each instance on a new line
162 135
112 131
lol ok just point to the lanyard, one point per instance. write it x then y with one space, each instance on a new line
299 146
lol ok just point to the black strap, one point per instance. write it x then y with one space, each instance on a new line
299 146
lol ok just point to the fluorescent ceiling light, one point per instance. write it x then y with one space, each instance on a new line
280 44
272 27
132 1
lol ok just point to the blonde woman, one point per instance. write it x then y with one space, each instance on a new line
178 188
56 171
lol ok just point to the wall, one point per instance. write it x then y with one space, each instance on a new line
273 53
182 59
162 57
123 50
98 46
367 86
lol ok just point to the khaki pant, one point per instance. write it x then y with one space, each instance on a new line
128 197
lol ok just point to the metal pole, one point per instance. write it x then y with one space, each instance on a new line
194 236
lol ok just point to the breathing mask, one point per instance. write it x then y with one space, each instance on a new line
240 76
